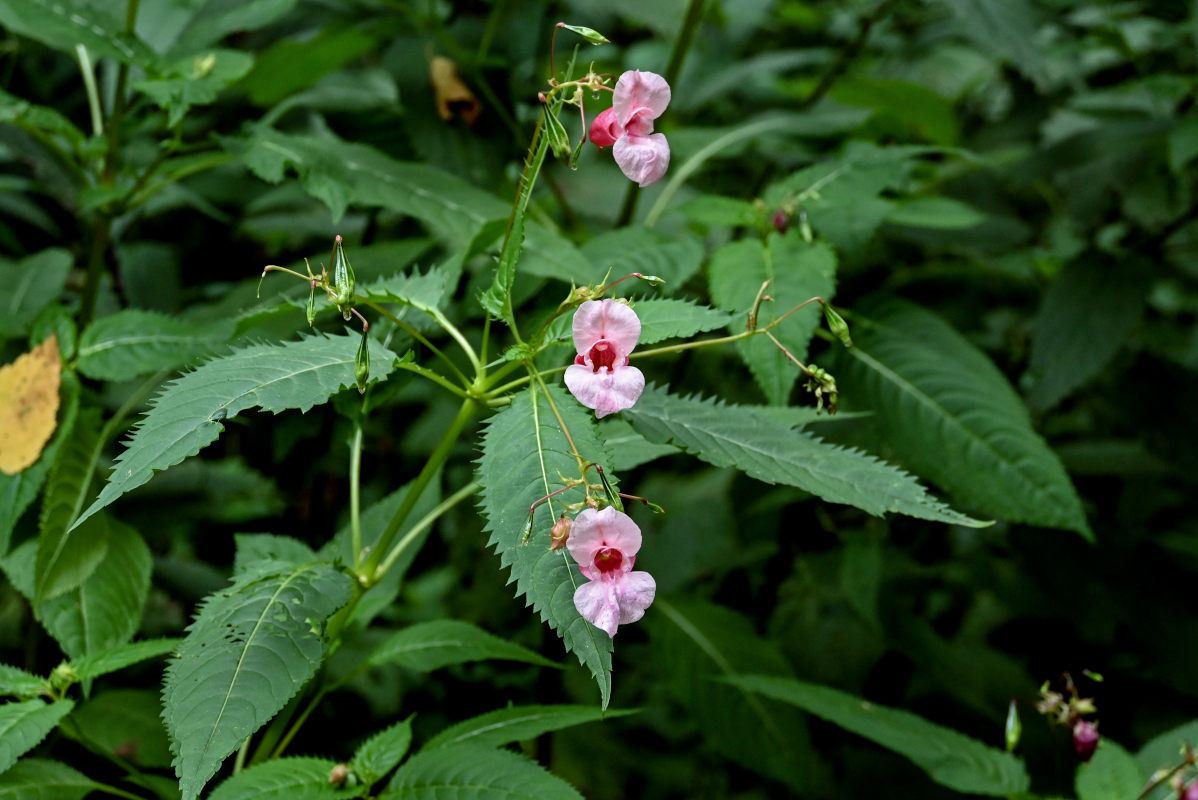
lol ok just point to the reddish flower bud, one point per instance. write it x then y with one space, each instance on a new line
338 774
560 533
1085 739
781 221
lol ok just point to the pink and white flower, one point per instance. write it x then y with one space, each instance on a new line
605 544
604 334
627 127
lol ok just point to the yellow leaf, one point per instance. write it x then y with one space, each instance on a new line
28 405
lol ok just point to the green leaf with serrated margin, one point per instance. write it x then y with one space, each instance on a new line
796 272
187 415
250 649
627 447
1112 774
519 723
475 773
40 120
105 610
63 24
116 658
19 683
735 436
425 291
24 725
196 80
125 722
43 779
431 645
379 754
497 300
944 406
252 549
669 319
133 342
30 285
66 557
950 758
634 249
524 453
284 779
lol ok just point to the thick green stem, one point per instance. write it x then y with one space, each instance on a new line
355 499
427 520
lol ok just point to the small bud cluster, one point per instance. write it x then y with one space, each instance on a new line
1069 708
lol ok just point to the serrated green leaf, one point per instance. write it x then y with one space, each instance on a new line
339 173
19 683
125 722
950 758
497 300
65 557
31 284
1111 774
62 24
524 452
424 291
518 724
196 80
38 119
116 658
796 272
668 319
379 754
475 773
431 645
249 650
43 779
734 436
24 725
132 342
696 643
187 415
954 418
284 779
628 448
106 609
1087 314
253 549
635 248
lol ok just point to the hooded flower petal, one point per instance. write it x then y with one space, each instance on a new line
643 159
605 130
609 604
598 320
606 391
638 99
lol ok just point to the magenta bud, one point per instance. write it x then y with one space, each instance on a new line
781 221
1085 739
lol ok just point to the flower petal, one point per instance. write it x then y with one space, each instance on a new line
606 391
639 98
607 527
634 593
643 159
609 604
605 129
596 320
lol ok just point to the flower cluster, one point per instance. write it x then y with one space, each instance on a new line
605 544
627 127
605 331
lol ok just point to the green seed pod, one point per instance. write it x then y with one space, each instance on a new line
343 278
1014 728
312 305
837 325
362 365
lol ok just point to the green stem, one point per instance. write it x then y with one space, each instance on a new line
425 372
682 45
239 761
112 161
415 334
300 720
427 520
101 234
93 95
355 500
369 569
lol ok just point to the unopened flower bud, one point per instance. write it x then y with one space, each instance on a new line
560 533
338 774
1014 727
781 221
1085 739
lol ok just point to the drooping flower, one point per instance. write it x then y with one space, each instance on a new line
627 127
604 334
605 544
1085 739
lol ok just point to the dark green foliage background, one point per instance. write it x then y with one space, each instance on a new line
1003 205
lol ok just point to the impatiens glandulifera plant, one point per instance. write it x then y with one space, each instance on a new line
605 333
604 543
627 127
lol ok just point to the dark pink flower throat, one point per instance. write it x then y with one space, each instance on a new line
608 559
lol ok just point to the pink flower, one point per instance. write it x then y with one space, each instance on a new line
604 543
604 334
627 127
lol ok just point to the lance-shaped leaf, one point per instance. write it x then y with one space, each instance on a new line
19 683
116 658
668 319
133 342
284 779
432 645
187 416
24 725
250 649
43 779
519 723
379 754
736 436
102 612
475 773
944 406
950 758
796 272
524 453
